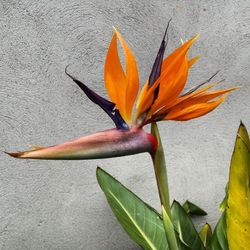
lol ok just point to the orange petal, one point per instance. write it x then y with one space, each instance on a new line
147 93
164 109
114 76
192 110
121 87
142 95
131 71
171 80
146 98
193 60
174 75
174 66
196 99
175 55
191 101
171 86
201 109
205 97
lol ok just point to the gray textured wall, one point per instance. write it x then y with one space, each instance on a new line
58 204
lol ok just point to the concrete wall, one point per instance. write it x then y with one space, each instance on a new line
58 204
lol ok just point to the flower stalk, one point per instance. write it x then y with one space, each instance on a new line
163 190
160 170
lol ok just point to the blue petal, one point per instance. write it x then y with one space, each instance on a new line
156 70
106 105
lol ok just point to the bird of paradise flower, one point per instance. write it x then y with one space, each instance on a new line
161 98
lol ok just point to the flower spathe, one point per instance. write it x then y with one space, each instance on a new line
161 98
104 144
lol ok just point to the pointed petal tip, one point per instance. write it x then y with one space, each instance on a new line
237 87
192 40
68 74
166 30
115 29
193 60
233 88
223 98
198 56
196 36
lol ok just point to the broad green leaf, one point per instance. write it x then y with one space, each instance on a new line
206 235
185 228
143 224
169 229
219 237
238 202
193 209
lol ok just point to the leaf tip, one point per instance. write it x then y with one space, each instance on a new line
99 171
242 124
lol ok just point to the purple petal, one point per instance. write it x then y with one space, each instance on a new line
156 70
106 105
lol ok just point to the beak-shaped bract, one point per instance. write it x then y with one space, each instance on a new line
105 144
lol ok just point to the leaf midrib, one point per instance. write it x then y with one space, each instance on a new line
153 247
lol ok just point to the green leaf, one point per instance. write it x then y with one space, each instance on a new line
193 209
143 224
206 236
169 229
219 237
238 202
182 246
185 228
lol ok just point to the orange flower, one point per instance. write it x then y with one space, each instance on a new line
161 98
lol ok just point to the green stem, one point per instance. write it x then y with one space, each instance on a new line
161 171
163 190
